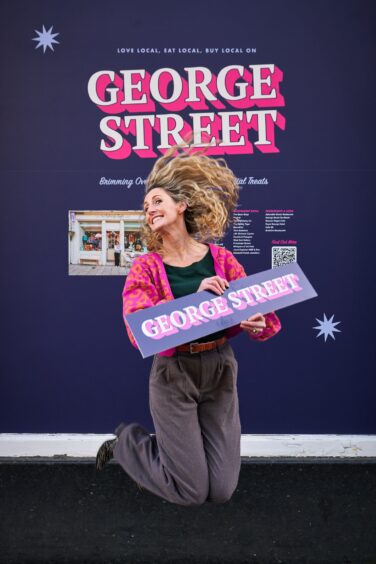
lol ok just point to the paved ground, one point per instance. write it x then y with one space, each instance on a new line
89 270
62 512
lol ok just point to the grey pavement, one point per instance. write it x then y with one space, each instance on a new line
91 270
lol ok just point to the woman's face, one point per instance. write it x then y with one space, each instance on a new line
161 211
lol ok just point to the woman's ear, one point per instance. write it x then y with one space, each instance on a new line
182 207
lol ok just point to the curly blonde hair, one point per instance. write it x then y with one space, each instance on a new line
207 185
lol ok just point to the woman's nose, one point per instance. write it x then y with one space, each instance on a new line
151 208
150 213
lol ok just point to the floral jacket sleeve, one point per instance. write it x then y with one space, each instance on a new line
139 293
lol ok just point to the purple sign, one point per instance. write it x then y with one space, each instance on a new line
202 313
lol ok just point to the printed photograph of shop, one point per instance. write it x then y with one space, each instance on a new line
104 242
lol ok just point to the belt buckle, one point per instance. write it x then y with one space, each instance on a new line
190 348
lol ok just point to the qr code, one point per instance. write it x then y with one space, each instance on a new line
283 255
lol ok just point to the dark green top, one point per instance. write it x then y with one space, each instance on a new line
185 280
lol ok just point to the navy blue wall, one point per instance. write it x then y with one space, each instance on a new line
67 364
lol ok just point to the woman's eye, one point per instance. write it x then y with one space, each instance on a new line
155 202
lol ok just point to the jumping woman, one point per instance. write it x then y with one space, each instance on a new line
194 455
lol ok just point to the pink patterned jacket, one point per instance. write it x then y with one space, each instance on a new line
147 285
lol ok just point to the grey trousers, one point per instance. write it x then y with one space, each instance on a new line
194 455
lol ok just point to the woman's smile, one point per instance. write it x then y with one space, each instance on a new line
155 219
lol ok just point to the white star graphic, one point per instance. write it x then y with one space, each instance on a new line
45 38
327 327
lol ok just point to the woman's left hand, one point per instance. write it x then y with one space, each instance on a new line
254 324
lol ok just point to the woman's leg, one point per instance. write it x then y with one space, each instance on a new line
171 464
218 412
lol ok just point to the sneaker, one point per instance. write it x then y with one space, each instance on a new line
105 453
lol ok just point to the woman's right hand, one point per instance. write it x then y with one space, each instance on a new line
215 283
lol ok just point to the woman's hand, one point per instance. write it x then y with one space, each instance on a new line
214 283
254 324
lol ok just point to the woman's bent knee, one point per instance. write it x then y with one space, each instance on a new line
192 498
221 493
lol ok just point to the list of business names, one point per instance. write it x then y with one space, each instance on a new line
243 232
276 220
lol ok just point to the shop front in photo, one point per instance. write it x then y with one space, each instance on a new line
105 238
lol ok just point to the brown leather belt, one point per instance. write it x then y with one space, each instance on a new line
200 347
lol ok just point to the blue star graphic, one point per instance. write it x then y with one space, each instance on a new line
45 38
327 327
